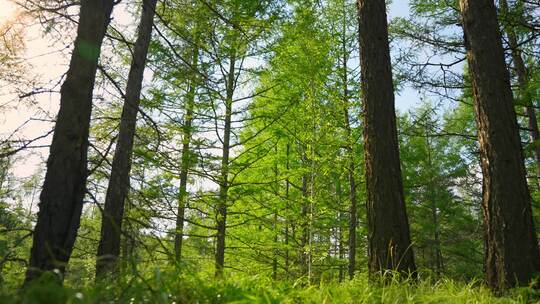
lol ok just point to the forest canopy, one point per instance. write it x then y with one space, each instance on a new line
269 151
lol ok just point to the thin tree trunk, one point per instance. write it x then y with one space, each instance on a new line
436 237
185 162
512 253
63 191
287 187
224 184
437 255
275 257
353 212
117 190
353 220
304 241
389 244
339 231
275 221
523 81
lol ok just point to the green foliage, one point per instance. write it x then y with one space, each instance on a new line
296 145
179 287
437 170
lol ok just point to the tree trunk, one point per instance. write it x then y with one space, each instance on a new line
275 219
186 161
353 212
224 184
287 188
276 252
128 261
117 190
64 188
389 244
523 81
339 231
432 186
353 220
438 258
512 253
304 240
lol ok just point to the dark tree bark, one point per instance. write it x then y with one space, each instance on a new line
512 253
61 199
353 210
389 244
437 253
117 190
221 219
523 81
186 160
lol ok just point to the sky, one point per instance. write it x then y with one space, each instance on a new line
407 97
7 9
49 61
399 8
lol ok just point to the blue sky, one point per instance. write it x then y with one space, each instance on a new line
399 8
406 98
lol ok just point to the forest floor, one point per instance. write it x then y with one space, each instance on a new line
169 288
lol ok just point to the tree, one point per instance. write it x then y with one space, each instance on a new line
12 46
244 24
113 213
389 245
346 28
523 82
64 188
186 161
512 255
444 212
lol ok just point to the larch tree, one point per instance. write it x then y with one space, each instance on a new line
389 243
221 218
244 24
64 188
512 255
185 162
117 190
343 22
523 83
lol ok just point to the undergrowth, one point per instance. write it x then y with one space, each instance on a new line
173 287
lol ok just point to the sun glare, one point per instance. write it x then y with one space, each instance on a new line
8 11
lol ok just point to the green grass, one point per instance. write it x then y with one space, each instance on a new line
171 287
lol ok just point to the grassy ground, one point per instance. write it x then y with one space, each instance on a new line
173 288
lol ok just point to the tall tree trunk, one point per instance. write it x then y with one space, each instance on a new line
275 220
523 81
353 212
117 190
339 231
186 160
438 258
224 183
63 191
389 244
437 254
287 188
353 218
512 253
276 252
304 240
128 260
